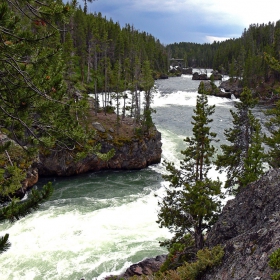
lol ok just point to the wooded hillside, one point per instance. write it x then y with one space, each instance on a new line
240 57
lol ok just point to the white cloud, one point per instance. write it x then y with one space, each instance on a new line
190 20
243 12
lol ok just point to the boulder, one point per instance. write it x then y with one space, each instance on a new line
187 71
32 177
249 230
145 267
212 89
216 76
98 126
232 86
197 76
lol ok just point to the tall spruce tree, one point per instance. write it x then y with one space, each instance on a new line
243 158
273 125
147 83
191 204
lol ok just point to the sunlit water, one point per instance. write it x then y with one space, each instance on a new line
98 224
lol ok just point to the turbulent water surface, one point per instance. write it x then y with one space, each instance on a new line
99 223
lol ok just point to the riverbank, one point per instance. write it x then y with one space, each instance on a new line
133 149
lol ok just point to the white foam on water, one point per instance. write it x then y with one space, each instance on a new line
186 98
49 245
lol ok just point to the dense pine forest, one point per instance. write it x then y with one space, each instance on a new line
245 57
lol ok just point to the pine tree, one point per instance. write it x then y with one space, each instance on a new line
147 82
243 159
191 204
273 141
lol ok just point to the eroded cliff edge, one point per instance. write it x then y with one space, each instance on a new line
137 153
249 229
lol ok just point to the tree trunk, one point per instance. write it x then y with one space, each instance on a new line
199 240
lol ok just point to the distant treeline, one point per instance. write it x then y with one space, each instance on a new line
242 57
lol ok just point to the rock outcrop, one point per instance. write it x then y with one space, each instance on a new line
249 230
211 89
136 153
216 76
163 76
200 76
187 71
232 87
145 267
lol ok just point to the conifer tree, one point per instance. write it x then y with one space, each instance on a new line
273 125
147 82
191 204
243 158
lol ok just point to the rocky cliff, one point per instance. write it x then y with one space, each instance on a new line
136 153
249 230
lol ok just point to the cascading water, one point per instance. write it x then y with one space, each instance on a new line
97 224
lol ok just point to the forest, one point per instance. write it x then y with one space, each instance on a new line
53 55
244 57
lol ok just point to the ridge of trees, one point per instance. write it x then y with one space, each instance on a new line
241 57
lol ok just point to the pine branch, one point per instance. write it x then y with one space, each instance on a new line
18 210
4 243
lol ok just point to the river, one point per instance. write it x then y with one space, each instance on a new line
98 224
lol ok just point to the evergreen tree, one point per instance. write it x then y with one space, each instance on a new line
17 210
243 158
191 204
147 82
273 125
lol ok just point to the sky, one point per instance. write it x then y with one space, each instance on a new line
198 21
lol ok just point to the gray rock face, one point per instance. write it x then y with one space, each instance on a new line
249 229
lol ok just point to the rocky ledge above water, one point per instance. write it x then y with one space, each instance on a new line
137 153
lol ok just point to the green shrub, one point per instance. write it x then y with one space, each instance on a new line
179 252
206 259
274 262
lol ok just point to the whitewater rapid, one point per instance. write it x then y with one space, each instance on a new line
98 224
